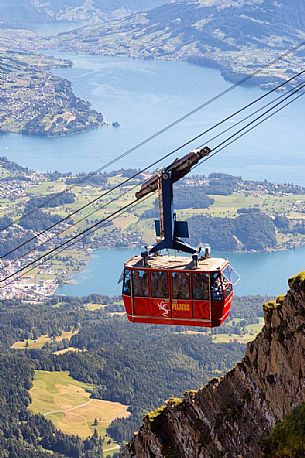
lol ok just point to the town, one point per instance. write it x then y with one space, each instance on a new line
35 209
33 101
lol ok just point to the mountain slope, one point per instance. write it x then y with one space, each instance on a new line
57 6
19 12
25 13
234 38
230 416
93 11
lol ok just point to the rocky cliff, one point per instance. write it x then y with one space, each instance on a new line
230 416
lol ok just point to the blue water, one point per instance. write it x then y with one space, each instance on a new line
261 273
144 96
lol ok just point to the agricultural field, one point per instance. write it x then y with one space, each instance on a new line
135 227
46 187
91 307
41 341
67 403
68 350
227 206
248 335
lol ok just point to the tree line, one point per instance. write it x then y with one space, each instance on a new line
136 365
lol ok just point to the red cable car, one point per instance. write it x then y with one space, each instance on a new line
163 289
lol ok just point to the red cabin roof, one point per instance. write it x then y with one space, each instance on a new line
178 263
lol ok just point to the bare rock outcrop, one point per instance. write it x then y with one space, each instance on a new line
230 416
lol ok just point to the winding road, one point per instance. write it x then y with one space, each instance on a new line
70 409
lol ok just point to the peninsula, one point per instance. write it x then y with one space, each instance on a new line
34 101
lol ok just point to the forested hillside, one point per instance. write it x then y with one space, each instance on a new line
249 231
133 364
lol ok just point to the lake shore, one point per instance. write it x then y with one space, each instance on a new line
35 102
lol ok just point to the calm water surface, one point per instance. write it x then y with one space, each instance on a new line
261 273
144 96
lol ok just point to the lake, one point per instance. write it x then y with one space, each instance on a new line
144 96
261 273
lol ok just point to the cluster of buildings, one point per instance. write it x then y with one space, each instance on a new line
34 101
14 189
28 289
24 96
117 238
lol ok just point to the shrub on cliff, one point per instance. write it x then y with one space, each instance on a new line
288 437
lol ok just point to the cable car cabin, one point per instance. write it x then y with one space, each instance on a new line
174 290
187 291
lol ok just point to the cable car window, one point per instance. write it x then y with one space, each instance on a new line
201 287
227 274
181 285
126 284
140 283
159 284
227 281
227 290
216 287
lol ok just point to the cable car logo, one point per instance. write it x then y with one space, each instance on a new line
162 306
181 307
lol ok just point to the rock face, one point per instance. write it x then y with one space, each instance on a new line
230 416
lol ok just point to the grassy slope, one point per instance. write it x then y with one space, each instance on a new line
67 403
251 332
41 341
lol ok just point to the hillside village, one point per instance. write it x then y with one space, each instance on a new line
35 102
278 208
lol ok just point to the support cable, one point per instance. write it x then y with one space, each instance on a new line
93 228
73 213
165 129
